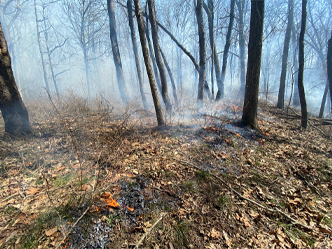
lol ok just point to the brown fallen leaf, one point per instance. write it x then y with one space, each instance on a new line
227 239
51 231
215 234
31 191
245 220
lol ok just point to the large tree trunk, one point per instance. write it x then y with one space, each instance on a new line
147 61
220 94
240 5
116 52
201 34
304 116
162 72
13 111
322 106
133 39
281 95
329 65
250 106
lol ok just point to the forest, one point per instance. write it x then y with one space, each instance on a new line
165 124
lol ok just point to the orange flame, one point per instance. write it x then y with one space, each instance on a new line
130 209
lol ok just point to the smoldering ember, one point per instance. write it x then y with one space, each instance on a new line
165 124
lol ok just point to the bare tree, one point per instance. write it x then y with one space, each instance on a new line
162 72
13 110
147 61
281 95
240 6
202 54
116 51
304 116
220 94
250 106
133 39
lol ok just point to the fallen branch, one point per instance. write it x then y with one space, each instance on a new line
249 200
148 231
71 229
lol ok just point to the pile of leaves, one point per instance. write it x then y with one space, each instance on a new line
97 179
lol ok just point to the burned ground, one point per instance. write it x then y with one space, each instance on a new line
104 179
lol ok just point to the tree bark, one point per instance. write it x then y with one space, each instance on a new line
322 106
162 72
296 98
240 5
304 113
250 106
220 93
209 9
116 52
201 34
151 52
329 65
170 76
13 110
133 39
281 95
147 61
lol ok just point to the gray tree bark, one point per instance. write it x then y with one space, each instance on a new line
202 54
220 93
304 113
240 5
281 95
155 38
133 39
147 61
13 110
329 65
250 106
116 52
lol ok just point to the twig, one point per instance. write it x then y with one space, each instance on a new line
71 229
148 231
251 201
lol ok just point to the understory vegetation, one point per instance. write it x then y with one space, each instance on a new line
93 177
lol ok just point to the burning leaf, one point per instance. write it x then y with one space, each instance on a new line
112 203
130 209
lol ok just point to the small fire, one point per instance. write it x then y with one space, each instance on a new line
237 134
130 209
110 201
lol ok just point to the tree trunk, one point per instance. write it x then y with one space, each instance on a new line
209 9
240 5
220 94
322 106
304 116
281 95
296 98
162 72
147 61
201 34
14 113
250 106
329 65
116 52
153 60
170 76
133 39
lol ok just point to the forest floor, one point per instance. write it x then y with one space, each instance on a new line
99 179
